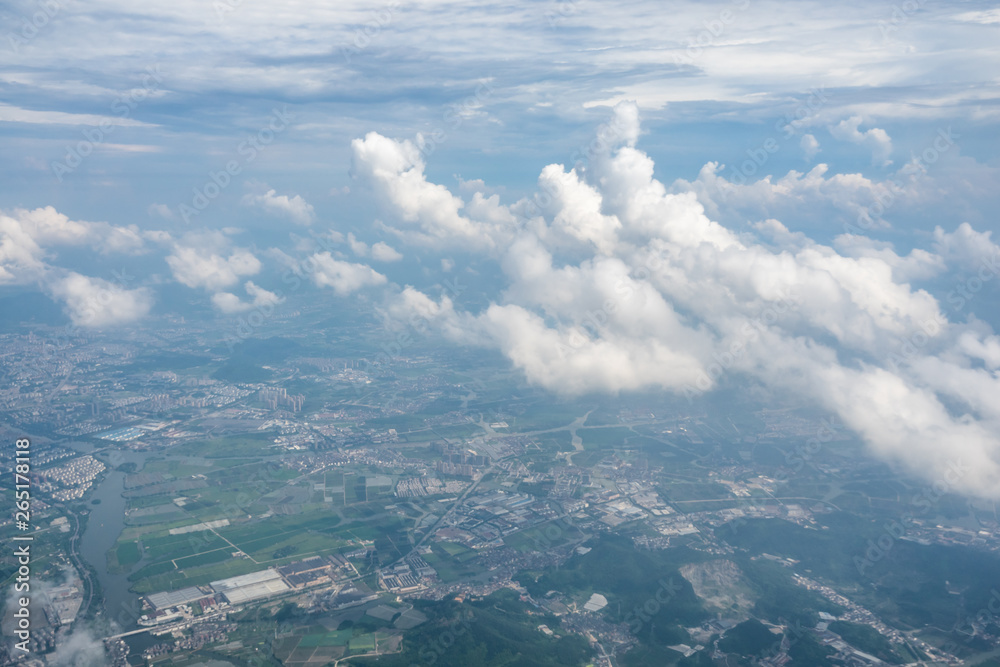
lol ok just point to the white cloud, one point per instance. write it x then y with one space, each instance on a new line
81 648
967 247
96 303
985 17
161 210
12 114
294 208
47 227
359 248
919 264
844 198
230 304
429 213
876 139
343 277
617 284
28 236
383 252
200 267
575 209
20 255
985 348
810 146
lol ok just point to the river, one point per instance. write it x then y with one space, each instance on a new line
104 526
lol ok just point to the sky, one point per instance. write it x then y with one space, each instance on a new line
797 196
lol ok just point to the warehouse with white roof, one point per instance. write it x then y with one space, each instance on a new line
248 587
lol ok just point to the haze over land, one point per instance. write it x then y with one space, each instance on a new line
322 231
803 204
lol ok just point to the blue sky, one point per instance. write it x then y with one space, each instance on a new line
800 195
552 70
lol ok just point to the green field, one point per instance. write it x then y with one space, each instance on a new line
128 554
332 638
362 643
249 444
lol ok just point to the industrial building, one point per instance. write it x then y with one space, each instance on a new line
168 599
248 587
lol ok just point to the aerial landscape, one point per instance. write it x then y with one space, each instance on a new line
453 334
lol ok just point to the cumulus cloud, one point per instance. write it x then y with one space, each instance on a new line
26 237
983 347
429 214
876 139
343 277
383 252
295 208
230 304
810 146
197 266
21 257
379 251
359 248
967 247
918 265
616 283
95 303
848 199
